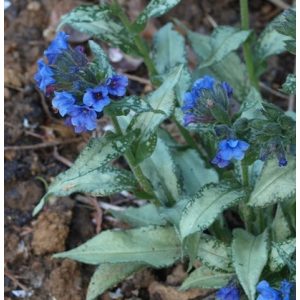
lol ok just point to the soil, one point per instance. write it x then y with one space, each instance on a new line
30 270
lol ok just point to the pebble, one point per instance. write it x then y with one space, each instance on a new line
34 6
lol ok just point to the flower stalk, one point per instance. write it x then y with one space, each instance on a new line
244 8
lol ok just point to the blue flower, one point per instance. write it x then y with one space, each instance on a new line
189 101
232 149
64 102
116 85
43 76
83 118
57 46
285 289
220 162
266 292
203 97
282 161
188 119
206 82
228 293
228 89
96 97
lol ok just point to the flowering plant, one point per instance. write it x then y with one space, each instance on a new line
238 158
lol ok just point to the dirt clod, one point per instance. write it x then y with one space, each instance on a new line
50 232
159 291
65 282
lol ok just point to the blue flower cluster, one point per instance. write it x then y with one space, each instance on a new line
78 94
229 292
273 147
266 292
228 150
205 93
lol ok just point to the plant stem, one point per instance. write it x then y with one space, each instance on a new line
246 46
245 175
189 139
137 171
139 42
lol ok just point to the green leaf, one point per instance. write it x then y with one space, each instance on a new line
108 275
236 77
90 172
254 171
192 171
280 227
225 39
173 214
281 253
250 255
99 21
289 211
162 175
144 150
101 59
289 86
252 106
214 254
155 8
190 247
270 42
140 216
275 184
162 100
286 24
125 105
169 52
204 207
206 278
156 246
169 49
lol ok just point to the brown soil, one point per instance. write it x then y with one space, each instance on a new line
29 120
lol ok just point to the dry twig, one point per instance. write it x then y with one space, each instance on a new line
42 145
60 158
13 278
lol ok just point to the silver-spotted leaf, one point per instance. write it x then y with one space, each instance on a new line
250 255
281 253
99 21
108 275
204 277
224 40
204 207
91 173
236 77
163 102
140 216
155 8
155 246
160 169
275 184
214 254
101 59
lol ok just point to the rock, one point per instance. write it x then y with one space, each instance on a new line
50 232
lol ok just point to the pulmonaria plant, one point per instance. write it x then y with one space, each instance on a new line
80 95
219 186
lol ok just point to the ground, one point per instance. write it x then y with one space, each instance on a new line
39 146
